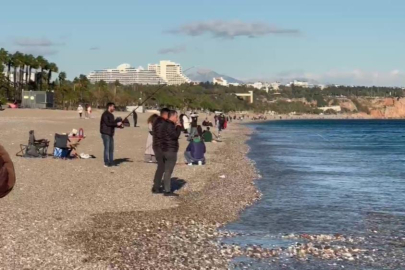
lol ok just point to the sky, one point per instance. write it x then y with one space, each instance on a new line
359 42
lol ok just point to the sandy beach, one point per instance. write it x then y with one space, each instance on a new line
76 214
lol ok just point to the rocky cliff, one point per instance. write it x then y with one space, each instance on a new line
377 107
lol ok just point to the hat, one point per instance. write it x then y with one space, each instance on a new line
74 131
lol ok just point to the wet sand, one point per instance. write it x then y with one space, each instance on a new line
76 214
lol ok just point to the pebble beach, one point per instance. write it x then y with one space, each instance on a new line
76 214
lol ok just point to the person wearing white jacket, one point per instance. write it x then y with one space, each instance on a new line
80 110
186 123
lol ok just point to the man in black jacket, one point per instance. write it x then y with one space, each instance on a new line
170 147
158 136
168 133
107 128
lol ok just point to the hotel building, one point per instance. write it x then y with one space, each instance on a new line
170 72
125 74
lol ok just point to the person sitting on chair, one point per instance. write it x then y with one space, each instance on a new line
207 135
195 151
33 141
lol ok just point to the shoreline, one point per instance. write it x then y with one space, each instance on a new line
186 236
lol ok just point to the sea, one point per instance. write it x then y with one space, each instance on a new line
337 178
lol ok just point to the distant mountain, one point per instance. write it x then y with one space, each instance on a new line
203 75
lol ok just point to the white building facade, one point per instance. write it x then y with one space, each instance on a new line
126 75
300 84
220 81
260 86
170 72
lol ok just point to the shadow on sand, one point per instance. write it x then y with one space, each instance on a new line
122 160
177 183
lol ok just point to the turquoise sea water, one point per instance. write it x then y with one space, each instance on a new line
328 177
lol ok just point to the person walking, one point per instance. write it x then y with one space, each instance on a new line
135 117
107 129
86 114
221 122
170 147
149 153
89 111
80 110
158 130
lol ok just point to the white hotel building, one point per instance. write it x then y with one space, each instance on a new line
125 74
170 72
164 72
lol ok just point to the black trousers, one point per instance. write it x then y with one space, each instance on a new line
135 116
166 162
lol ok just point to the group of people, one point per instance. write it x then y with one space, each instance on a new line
221 122
162 144
166 130
87 111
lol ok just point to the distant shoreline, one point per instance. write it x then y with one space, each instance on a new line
284 117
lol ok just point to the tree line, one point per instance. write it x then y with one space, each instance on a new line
21 67
19 71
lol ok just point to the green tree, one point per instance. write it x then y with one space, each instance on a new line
52 67
43 64
17 60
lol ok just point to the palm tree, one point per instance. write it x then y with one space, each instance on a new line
52 67
62 77
17 62
43 64
23 60
9 61
3 58
62 89
30 62
34 65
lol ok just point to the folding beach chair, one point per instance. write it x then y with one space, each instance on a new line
34 148
60 146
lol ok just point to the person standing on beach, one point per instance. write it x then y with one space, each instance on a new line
89 111
86 114
149 153
158 129
107 129
80 110
170 147
135 117
194 124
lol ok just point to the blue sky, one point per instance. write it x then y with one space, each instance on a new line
352 42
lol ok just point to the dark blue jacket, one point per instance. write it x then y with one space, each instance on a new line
196 149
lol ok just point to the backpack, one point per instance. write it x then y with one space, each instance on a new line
7 173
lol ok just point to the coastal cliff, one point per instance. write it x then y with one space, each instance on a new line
375 107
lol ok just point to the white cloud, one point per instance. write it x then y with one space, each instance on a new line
35 42
174 50
35 46
231 29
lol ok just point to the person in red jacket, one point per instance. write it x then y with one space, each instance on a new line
7 174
